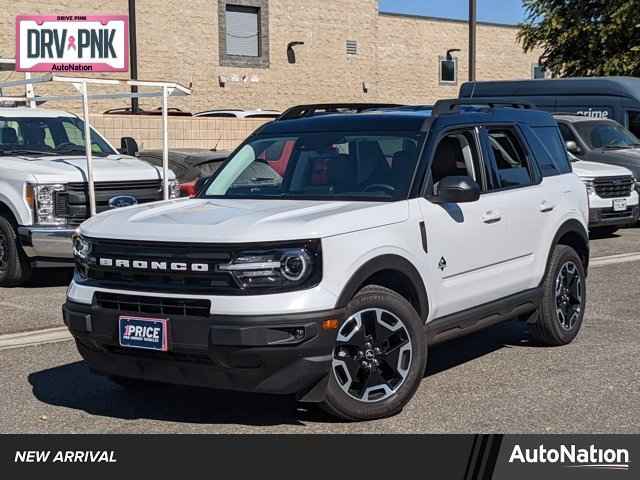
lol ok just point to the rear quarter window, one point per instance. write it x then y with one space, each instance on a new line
550 151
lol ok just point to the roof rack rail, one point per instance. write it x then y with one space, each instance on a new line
303 111
447 106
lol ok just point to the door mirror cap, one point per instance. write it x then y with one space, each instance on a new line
458 189
128 146
573 147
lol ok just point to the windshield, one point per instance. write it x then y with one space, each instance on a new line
606 135
376 167
47 136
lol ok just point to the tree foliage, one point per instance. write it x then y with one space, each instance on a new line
584 37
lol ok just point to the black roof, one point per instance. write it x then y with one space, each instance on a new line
367 121
597 86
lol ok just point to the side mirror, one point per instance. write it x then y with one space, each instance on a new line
128 146
573 147
459 189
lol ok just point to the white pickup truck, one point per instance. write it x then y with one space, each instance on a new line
44 187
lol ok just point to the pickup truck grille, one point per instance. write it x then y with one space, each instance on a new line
613 187
73 203
193 282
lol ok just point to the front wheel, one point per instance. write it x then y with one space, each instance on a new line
565 294
379 357
15 270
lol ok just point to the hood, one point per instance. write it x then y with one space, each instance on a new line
242 221
594 169
63 169
629 158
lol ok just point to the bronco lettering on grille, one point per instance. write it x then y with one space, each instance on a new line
153 265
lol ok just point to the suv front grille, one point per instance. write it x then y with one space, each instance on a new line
209 282
73 203
613 187
153 305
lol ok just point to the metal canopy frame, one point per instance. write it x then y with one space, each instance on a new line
161 89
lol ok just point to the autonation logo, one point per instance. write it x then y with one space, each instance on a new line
574 457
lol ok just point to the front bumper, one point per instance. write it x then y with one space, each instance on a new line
47 245
602 217
279 354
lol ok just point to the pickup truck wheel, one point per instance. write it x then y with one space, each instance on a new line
14 267
379 357
563 303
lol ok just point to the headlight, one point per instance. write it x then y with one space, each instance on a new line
174 189
81 251
42 199
81 247
286 268
588 182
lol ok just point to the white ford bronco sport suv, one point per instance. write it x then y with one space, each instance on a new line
43 187
389 231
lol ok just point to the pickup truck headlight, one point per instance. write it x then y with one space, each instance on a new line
81 247
588 182
281 268
42 200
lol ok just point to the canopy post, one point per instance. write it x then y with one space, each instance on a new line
87 148
165 142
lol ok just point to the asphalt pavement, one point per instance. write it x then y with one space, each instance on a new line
493 381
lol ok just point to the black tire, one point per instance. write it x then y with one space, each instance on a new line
411 331
558 322
604 231
15 269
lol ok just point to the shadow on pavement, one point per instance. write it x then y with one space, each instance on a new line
457 352
75 386
50 277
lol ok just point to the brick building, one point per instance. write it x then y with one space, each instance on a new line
235 52
238 54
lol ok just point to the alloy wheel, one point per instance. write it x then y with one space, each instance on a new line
569 295
373 355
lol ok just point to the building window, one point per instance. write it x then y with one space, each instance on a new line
448 72
538 71
352 47
244 33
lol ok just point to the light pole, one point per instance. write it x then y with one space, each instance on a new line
133 52
473 12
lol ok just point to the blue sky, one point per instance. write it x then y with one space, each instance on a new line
500 11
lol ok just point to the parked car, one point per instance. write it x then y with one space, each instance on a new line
190 165
608 161
330 283
614 98
43 187
172 111
238 113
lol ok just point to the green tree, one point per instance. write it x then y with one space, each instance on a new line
584 37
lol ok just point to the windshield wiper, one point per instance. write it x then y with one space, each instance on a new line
9 151
68 150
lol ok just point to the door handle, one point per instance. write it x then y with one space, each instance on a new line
491 216
546 207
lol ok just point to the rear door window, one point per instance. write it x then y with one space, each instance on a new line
551 154
511 163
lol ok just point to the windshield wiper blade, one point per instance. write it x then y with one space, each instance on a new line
25 152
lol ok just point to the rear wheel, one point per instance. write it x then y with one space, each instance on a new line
14 267
379 357
562 309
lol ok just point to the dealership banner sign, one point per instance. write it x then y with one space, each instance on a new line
72 43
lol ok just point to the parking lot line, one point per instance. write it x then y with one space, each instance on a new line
613 259
37 337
